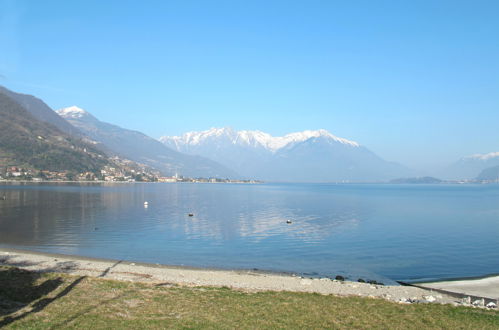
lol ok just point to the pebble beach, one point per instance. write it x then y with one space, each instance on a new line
249 281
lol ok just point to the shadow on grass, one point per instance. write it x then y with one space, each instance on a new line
108 269
23 292
21 289
97 304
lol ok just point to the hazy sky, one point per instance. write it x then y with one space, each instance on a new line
415 81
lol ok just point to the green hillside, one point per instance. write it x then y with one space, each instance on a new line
27 141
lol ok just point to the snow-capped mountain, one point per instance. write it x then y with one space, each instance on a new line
483 157
73 112
302 156
470 167
141 148
255 139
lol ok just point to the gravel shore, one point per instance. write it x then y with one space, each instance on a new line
239 280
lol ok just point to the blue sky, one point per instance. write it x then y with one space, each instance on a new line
415 81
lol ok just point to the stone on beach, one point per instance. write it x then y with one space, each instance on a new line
491 305
404 301
306 281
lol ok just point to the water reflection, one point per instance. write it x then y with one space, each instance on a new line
397 232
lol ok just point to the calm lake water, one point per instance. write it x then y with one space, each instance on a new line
382 232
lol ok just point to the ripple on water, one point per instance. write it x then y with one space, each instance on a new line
400 232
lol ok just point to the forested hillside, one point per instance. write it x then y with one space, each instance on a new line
27 141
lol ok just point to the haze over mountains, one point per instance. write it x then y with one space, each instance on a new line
489 174
308 156
470 167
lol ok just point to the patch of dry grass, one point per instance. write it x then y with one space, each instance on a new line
41 301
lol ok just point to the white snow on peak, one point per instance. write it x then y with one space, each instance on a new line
194 138
281 142
72 112
488 156
252 138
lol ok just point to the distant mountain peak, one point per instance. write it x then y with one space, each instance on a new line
72 112
307 156
308 134
138 147
488 156
253 138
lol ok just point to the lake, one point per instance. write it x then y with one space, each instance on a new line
382 232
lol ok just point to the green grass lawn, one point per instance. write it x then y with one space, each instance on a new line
41 301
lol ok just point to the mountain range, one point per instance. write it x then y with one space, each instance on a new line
72 139
34 136
141 148
308 156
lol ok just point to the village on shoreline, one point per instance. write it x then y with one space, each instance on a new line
122 174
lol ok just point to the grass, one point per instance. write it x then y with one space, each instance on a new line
47 301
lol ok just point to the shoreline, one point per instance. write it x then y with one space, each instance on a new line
452 279
244 280
139 263
417 283
260 182
485 287
124 182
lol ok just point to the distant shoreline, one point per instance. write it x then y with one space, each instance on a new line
121 182
261 182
